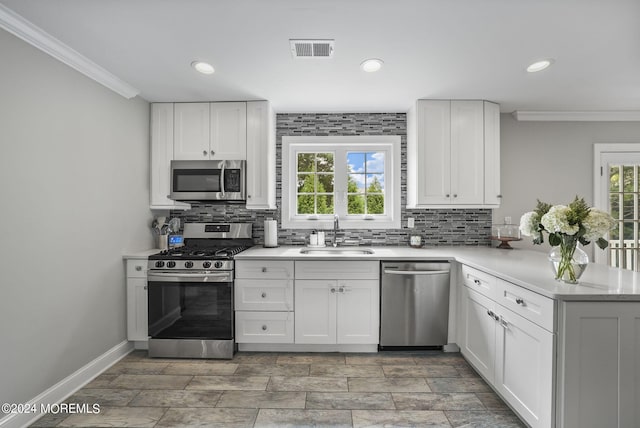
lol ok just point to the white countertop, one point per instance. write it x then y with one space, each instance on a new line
526 268
140 254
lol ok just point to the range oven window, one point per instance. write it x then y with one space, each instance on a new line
190 310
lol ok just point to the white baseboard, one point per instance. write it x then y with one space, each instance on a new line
68 386
289 347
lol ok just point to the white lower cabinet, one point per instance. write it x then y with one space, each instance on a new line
263 301
315 303
137 322
479 332
511 352
340 309
524 367
264 327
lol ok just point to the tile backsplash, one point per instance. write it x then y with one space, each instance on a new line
437 226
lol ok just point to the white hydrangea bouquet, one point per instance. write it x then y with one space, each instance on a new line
567 225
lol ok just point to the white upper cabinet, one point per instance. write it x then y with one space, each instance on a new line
228 135
210 131
161 157
261 156
191 130
453 154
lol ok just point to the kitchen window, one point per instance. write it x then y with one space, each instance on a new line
355 177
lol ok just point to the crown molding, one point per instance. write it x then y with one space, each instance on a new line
35 36
577 116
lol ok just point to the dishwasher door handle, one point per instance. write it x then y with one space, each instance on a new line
415 272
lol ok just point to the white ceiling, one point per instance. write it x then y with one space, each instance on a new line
474 49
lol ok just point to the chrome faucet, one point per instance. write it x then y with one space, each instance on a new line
336 226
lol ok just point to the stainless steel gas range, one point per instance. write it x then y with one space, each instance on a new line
190 292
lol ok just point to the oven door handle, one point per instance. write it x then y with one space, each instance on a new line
222 178
178 277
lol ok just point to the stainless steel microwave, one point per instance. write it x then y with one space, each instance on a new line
209 180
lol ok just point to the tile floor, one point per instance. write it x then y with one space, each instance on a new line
416 389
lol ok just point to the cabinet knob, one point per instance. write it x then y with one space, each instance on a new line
499 196
264 269
264 295
264 328
145 287
476 282
503 323
204 153
138 268
519 301
248 196
341 289
333 290
212 153
446 196
455 195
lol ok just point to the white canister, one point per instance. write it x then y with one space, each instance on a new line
321 238
270 233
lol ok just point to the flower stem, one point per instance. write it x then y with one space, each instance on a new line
565 267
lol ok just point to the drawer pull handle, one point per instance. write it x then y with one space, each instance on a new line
264 328
504 323
264 295
264 269
493 315
138 268
519 301
477 281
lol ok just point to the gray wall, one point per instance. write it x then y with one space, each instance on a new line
74 196
551 161
437 227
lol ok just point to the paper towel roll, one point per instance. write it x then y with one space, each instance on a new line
270 233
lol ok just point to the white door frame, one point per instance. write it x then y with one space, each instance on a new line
603 154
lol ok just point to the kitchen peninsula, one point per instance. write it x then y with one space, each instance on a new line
560 355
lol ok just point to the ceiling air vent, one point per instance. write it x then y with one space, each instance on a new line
311 48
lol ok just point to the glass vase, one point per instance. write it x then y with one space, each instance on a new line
568 261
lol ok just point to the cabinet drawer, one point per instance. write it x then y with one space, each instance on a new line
338 270
137 268
479 281
263 294
532 306
264 269
264 327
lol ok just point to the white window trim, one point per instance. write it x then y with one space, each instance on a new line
389 144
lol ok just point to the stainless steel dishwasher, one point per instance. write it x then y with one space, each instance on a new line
414 304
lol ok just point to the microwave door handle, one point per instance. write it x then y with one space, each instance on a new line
222 178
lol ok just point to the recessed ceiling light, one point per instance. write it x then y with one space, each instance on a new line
371 65
539 65
203 67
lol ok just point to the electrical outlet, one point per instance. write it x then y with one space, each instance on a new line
411 223
507 220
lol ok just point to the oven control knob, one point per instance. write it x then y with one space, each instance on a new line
206 265
218 265
188 264
171 264
159 264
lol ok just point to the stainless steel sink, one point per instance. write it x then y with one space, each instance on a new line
351 251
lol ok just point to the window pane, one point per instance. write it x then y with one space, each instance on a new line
306 204
306 183
628 207
325 162
614 178
375 162
325 183
324 204
306 162
627 178
375 204
356 183
355 204
355 162
615 206
375 183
